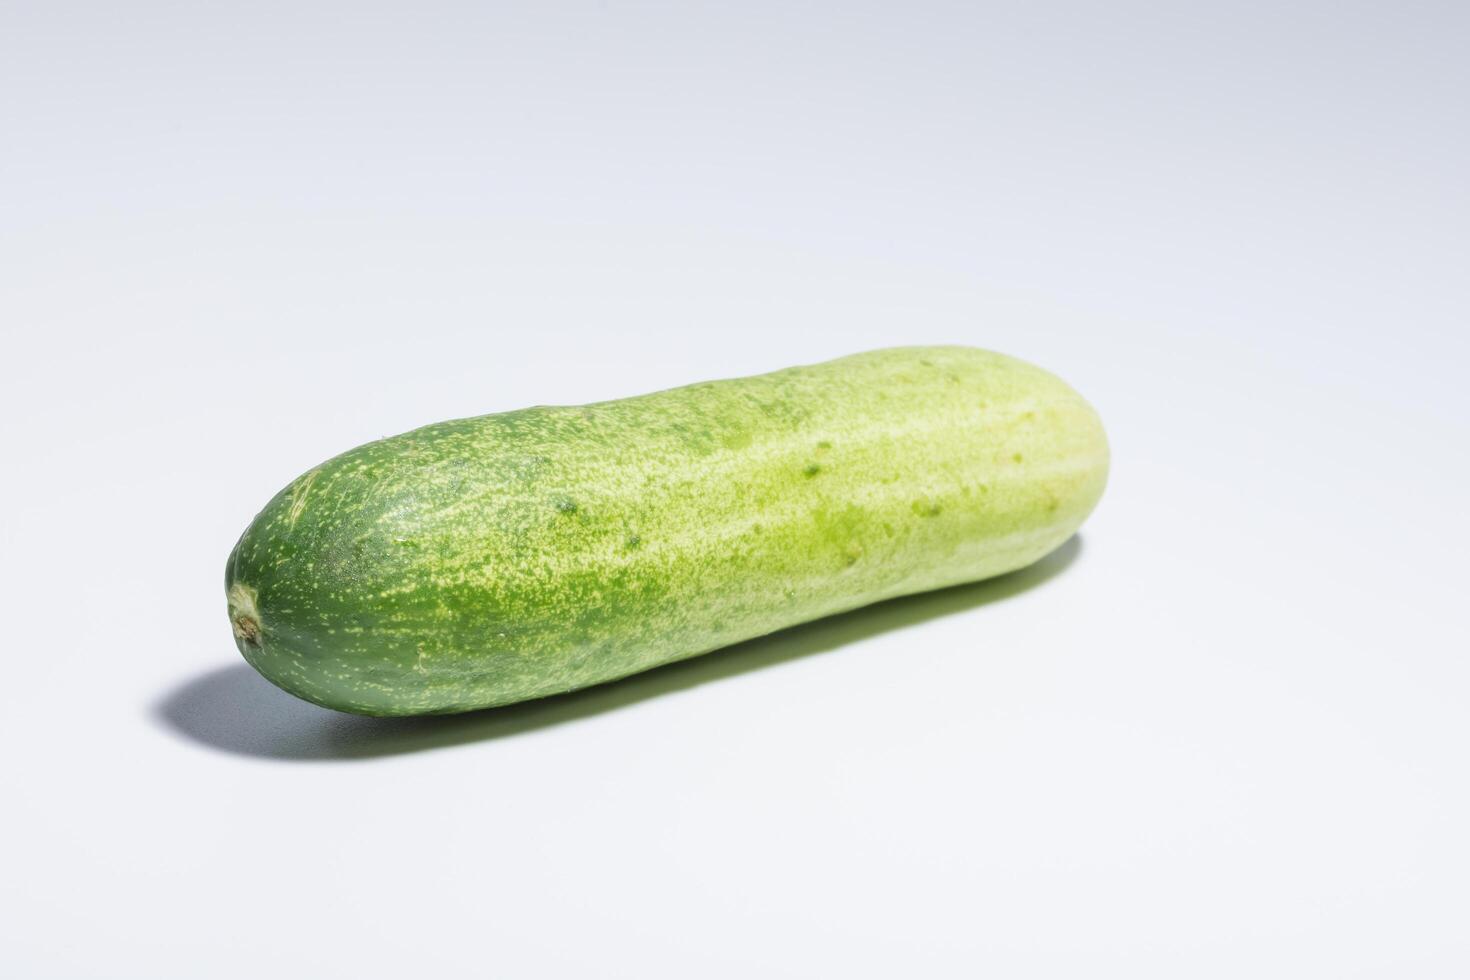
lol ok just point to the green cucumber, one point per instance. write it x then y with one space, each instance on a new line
489 560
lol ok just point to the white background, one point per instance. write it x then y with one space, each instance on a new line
1221 734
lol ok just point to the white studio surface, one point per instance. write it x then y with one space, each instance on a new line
1221 734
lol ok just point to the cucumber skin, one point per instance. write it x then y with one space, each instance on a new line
489 560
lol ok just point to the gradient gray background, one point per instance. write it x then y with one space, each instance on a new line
1222 735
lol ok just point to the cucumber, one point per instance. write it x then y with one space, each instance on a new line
489 560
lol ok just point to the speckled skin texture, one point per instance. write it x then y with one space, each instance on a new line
494 559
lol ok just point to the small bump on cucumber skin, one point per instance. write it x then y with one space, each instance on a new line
489 560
